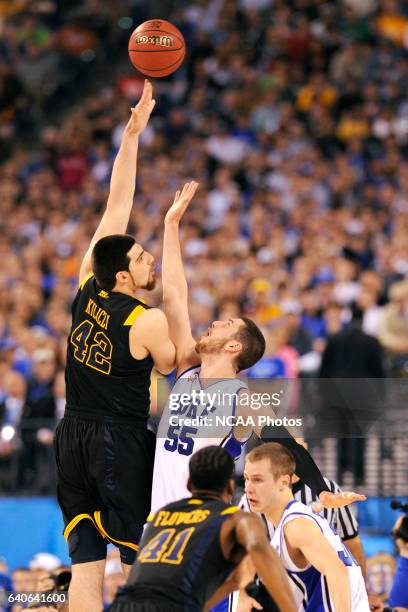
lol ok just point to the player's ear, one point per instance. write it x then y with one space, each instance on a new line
189 484
231 487
284 482
122 276
233 346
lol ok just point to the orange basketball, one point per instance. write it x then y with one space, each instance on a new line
157 48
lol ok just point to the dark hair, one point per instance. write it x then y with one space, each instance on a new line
281 459
357 313
109 256
253 345
402 531
211 468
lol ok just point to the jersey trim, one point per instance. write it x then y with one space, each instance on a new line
135 314
74 522
99 525
231 510
299 584
86 279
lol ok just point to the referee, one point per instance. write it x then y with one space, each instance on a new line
104 450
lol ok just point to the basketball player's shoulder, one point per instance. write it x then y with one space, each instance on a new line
84 281
300 527
296 509
147 319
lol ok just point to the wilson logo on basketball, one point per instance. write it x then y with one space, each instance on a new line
164 41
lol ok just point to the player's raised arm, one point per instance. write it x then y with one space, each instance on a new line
122 186
175 291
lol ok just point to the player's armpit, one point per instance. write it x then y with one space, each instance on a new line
150 334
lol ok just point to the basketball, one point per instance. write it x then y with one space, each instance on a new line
157 48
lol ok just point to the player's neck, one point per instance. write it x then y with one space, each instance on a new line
274 514
208 494
212 367
125 291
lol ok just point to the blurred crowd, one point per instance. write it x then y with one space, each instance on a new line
292 115
47 578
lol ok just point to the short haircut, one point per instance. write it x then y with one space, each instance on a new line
281 459
402 531
211 468
253 345
110 256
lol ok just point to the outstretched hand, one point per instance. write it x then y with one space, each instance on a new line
142 111
181 200
339 500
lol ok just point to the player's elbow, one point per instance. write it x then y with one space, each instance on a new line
258 548
172 296
167 362
165 369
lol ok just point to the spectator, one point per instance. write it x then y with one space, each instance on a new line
393 327
38 422
351 408
398 597
11 411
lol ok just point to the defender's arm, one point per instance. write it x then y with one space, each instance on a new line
306 536
175 291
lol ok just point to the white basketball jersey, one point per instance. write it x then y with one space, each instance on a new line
309 586
211 425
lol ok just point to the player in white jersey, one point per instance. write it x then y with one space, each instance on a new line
210 365
323 574
176 441
341 519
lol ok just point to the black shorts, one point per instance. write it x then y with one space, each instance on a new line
126 605
105 472
134 599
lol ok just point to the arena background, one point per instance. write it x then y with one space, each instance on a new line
293 116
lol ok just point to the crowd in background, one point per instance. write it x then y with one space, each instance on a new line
45 576
293 117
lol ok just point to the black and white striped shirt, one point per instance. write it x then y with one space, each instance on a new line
341 519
